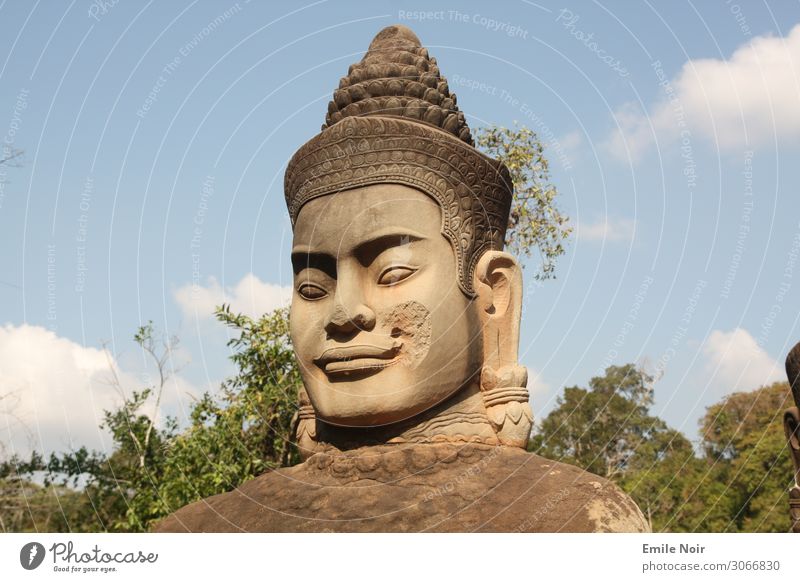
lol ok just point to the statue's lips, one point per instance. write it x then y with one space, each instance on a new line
347 359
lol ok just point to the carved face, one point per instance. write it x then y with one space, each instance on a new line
380 327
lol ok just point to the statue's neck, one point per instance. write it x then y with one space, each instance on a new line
461 418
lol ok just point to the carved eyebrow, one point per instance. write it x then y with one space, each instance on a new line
371 248
393 233
305 259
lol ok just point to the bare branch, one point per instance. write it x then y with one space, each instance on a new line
9 156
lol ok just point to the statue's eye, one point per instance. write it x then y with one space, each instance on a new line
311 291
395 274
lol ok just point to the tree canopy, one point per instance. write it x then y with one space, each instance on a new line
734 479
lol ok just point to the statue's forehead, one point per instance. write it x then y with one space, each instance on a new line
352 216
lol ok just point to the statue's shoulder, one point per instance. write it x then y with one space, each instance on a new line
253 506
448 488
553 496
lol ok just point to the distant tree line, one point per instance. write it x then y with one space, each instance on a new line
735 479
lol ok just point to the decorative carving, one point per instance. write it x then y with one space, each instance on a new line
405 323
503 381
397 77
473 191
306 428
394 120
505 395
791 426
794 508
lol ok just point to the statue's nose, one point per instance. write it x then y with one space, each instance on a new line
350 311
350 319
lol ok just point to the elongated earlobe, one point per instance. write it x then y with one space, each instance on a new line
305 426
791 427
498 283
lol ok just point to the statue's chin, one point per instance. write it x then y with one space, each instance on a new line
376 397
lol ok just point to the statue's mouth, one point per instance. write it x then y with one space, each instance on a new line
345 360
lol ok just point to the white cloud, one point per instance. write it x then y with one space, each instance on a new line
607 229
572 140
55 391
634 133
748 99
736 362
565 149
250 296
536 384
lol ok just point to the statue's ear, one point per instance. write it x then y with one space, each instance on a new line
791 422
498 284
791 428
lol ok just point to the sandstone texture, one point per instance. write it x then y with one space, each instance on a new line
418 488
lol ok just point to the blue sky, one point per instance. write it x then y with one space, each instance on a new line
155 139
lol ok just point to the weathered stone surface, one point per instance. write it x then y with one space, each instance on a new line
416 488
405 321
791 427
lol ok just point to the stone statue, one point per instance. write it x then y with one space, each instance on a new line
405 322
791 426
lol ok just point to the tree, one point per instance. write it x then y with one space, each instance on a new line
605 428
26 506
663 481
608 430
231 437
9 155
245 430
248 426
743 441
117 491
535 220
736 480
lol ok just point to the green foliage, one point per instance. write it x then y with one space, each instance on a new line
604 428
735 480
231 437
29 507
247 429
739 482
745 446
535 221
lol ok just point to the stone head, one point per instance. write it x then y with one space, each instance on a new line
791 427
402 292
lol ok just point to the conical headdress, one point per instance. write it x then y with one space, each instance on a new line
394 120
